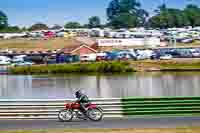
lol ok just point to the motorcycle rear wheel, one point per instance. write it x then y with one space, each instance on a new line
65 115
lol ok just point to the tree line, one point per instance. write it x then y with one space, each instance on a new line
94 22
125 14
171 17
129 14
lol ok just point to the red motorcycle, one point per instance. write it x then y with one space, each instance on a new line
93 112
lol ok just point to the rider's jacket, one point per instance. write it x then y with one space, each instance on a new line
83 99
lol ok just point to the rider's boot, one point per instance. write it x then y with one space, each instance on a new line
81 115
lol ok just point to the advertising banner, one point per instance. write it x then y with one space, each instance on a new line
129 42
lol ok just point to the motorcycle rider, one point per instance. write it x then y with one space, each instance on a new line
83 100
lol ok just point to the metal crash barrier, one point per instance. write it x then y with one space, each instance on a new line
116 107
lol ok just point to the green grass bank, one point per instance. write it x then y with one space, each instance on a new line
78 68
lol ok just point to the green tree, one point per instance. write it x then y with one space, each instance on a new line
14 29
124 20
161 19
11 29
168 17
171 17
24 29
72 25
3 20
126 14
39 26
85 26
192 12
94 22
56 27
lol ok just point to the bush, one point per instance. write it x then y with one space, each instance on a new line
99 67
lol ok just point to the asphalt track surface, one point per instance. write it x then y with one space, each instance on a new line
164 122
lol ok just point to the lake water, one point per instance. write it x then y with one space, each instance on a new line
139 85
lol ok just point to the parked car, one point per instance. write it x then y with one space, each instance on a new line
166 57
67 58
119 55
88 57
144 54
189 40
155 56
101 56
18 58
195 53
126 55
22 63
5 60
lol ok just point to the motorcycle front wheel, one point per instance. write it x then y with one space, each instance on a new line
95 114
65 115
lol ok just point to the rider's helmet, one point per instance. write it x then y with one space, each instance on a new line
78 93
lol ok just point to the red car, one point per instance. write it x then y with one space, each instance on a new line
49 34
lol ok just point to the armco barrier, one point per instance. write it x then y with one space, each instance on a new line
174 106
48 109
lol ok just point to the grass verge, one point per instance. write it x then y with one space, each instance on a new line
175 64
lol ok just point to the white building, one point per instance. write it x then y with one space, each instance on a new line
151 41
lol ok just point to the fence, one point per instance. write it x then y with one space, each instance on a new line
124 107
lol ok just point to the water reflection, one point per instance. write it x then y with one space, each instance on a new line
140 85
